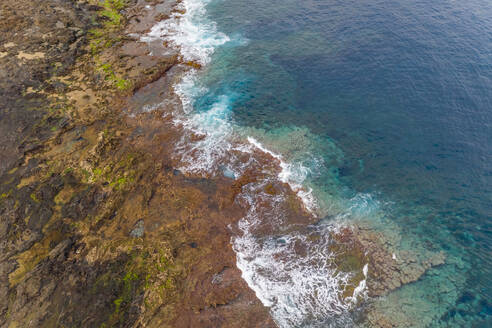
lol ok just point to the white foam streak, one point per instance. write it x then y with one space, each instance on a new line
294 176
361 290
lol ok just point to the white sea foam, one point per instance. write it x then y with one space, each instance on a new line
196 37
214 128
291 273
187 89
190 31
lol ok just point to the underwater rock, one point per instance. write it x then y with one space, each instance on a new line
386 271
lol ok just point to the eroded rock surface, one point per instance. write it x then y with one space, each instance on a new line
37 40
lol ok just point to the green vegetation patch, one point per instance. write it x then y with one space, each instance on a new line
34 198
120 83
112 10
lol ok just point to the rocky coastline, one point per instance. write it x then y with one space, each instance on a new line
98 228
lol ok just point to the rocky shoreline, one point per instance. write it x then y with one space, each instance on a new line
98 228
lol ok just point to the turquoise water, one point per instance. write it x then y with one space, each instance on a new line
383 109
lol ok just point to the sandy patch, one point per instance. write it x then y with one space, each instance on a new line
28 56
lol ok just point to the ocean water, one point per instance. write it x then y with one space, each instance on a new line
379 112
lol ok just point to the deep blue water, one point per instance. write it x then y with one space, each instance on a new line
403 89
